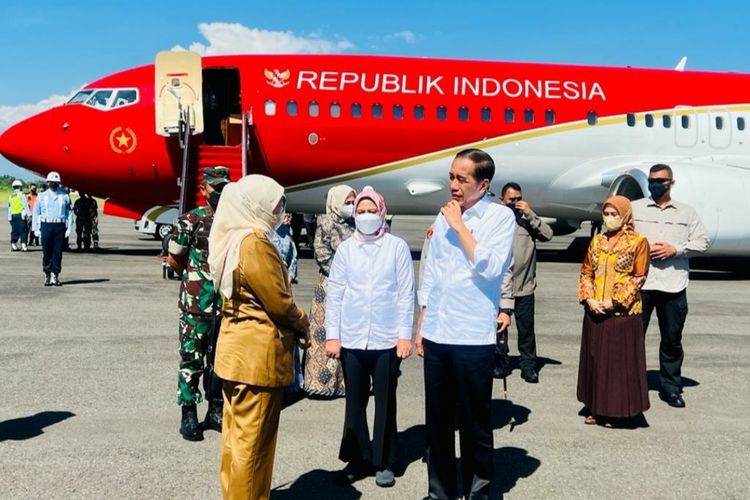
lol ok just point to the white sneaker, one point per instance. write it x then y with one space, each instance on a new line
13 247
23 247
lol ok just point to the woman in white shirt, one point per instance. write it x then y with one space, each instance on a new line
369 318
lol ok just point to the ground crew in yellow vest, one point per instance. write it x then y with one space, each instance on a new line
18 212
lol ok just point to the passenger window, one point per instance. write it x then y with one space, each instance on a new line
631 120
398 112
649 120
666 121
313 109
740 123
510 115
100 99
356 110
486 115
685 121
549 116
270 107
592 118
528 115
125 97
419 112
442 113
335 110
463 113
719 123
377 111
291 108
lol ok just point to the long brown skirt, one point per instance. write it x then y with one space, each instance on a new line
612 370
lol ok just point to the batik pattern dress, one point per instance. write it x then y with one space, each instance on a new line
323 375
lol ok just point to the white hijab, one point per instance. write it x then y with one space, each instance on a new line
245 206
335 199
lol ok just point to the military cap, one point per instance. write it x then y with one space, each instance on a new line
216 176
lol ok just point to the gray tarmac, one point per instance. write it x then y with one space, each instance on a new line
90 381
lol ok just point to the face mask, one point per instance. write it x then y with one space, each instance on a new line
657 190
368 223
347 211
612 222
53 186
213 199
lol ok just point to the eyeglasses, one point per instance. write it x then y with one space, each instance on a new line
660 180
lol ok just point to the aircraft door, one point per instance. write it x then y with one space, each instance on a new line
685 127
720 128
177 92
222 107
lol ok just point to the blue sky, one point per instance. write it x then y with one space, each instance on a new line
51 47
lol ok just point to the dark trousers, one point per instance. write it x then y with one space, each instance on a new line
360 368
17 229
53 237
458 389
671 311
83 233
524 313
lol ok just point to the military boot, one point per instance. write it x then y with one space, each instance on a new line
47 279
214 416
190 427
55 280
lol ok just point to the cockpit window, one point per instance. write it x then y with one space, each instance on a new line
80 97
100 99
125 97
105 98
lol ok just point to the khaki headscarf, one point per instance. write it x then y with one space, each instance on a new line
622 204
335 199
245 206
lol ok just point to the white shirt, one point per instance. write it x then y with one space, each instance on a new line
462 297
370 298
679 225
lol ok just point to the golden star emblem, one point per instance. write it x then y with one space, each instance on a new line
123 140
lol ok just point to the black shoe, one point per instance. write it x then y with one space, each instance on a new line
190 427
56 280
353 472
47 280
673 399
529 375
213 417
385 478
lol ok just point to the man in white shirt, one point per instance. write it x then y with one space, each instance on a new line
470 251
674 233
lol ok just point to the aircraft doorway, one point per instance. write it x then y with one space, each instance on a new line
222 107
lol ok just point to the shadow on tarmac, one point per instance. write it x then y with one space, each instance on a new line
317 484
511 464
654 382
85 282
134 252
19 429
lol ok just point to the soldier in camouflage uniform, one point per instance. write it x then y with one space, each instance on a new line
200 309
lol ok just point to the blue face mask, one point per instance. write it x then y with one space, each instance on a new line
657 190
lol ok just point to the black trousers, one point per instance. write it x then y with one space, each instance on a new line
53 237
524 313
458 389
361 367
17 229
671 311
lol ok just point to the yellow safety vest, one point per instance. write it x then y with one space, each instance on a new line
16 203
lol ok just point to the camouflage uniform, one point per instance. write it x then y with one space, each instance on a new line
200 308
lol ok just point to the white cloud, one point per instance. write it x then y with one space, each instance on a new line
406 36
234 38
13 114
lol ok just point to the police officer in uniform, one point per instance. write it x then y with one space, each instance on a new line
53 217
18 212
200 309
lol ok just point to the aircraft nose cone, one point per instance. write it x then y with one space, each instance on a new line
22 145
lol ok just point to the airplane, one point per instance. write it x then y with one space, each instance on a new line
570 135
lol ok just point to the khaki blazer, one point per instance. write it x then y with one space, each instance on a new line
260 320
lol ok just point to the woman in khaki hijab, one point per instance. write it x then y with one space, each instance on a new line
260 326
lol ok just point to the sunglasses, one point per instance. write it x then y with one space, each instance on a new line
660 180
516 199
